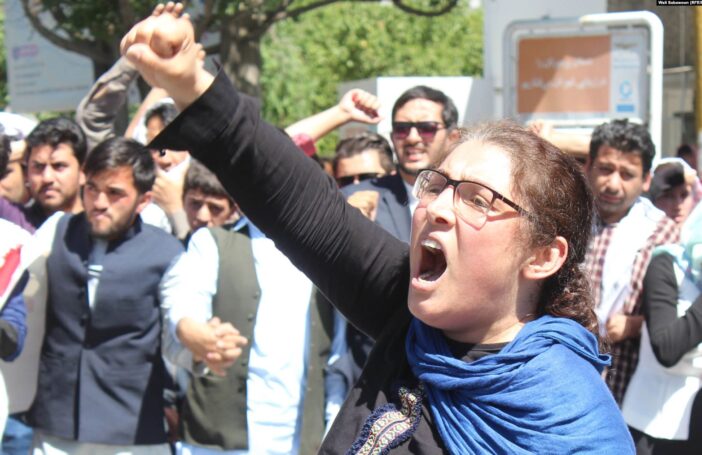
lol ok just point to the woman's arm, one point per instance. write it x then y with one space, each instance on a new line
671 336
360 267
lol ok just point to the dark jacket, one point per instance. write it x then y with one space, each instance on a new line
393 212
101 372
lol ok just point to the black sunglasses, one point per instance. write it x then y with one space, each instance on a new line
350 179
426 130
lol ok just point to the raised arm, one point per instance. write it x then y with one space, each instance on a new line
163 49
355 106
98 110
355 263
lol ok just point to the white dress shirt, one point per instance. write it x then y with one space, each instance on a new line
278 356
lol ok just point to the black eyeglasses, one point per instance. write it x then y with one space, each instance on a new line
349 179
472 201
426 130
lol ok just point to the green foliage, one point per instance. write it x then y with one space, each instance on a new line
98 20
306 59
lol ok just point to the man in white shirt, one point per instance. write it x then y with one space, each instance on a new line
272 399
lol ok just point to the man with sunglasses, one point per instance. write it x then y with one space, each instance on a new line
358 158
363 156
424 122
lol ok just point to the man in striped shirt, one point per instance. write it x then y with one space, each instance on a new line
628 228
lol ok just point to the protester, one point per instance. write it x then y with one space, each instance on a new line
171 168
13 327
56 149
688 153
101 374
205 201
627 229
424 126
274 397
672 188
497 310
15 234
12 182
361 157
272 400
10 211
663 406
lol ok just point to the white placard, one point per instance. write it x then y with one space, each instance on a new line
41 76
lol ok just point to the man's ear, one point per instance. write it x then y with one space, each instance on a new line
454 135
646 181
81 178
546 260
144 200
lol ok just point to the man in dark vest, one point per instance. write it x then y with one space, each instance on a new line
101 371
272 399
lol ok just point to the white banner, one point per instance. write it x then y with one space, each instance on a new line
41 76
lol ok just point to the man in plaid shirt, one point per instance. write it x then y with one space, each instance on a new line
629 227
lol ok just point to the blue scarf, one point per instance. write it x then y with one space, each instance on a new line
542 393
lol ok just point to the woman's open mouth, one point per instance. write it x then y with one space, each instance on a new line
433 262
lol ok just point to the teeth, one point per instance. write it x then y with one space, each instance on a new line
431 245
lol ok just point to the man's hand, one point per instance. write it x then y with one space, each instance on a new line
167 191
366 202
163 48
360 106
620 327
215 343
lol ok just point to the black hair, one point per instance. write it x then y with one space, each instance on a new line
202 179
118 152
449 113
359 143
55 131
625 136
685 150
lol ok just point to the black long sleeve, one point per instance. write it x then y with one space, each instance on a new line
671 336
356 264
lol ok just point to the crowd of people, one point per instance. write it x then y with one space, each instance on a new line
205 284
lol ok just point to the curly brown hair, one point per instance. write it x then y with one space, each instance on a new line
552 187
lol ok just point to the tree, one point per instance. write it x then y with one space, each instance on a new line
94 27
301 71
